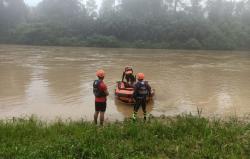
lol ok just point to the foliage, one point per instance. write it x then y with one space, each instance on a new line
178 137
102 41
175 24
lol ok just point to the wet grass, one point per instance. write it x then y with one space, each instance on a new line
179 137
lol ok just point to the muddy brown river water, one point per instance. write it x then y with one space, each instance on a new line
56 82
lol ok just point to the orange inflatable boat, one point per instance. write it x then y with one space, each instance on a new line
125 94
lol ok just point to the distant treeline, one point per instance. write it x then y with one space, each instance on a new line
174 24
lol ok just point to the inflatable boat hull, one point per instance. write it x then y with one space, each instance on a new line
125 94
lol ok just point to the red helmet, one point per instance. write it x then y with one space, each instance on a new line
100 73
140 76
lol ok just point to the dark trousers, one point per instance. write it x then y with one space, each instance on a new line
100 106
140 103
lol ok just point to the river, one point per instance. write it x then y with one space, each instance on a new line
56 82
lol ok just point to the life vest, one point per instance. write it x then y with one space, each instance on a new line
97 92
142 89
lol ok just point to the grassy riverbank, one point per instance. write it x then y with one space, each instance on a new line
179 137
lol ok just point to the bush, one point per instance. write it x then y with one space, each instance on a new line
177 137
68 41
102 41
192 44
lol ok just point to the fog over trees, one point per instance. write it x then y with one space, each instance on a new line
174 24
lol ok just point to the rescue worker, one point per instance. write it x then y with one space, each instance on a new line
141 90
101 92
128 75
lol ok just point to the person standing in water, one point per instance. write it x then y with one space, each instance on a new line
141 90
101 92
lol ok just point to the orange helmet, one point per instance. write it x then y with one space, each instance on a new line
140 76
100 73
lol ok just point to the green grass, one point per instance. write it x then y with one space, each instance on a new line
178 137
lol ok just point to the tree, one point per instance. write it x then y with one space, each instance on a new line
12 13
194 24
91 8
59 12
220 11
2 18
107 8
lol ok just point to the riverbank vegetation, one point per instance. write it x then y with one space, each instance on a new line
178 137
171 24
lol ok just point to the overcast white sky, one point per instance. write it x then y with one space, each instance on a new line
35 2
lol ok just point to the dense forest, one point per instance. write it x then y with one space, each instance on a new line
171 24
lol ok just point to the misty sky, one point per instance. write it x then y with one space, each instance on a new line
35 2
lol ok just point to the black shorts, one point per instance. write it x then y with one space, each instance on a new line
100 106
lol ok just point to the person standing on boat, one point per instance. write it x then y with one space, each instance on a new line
101 92
128 75
141 91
